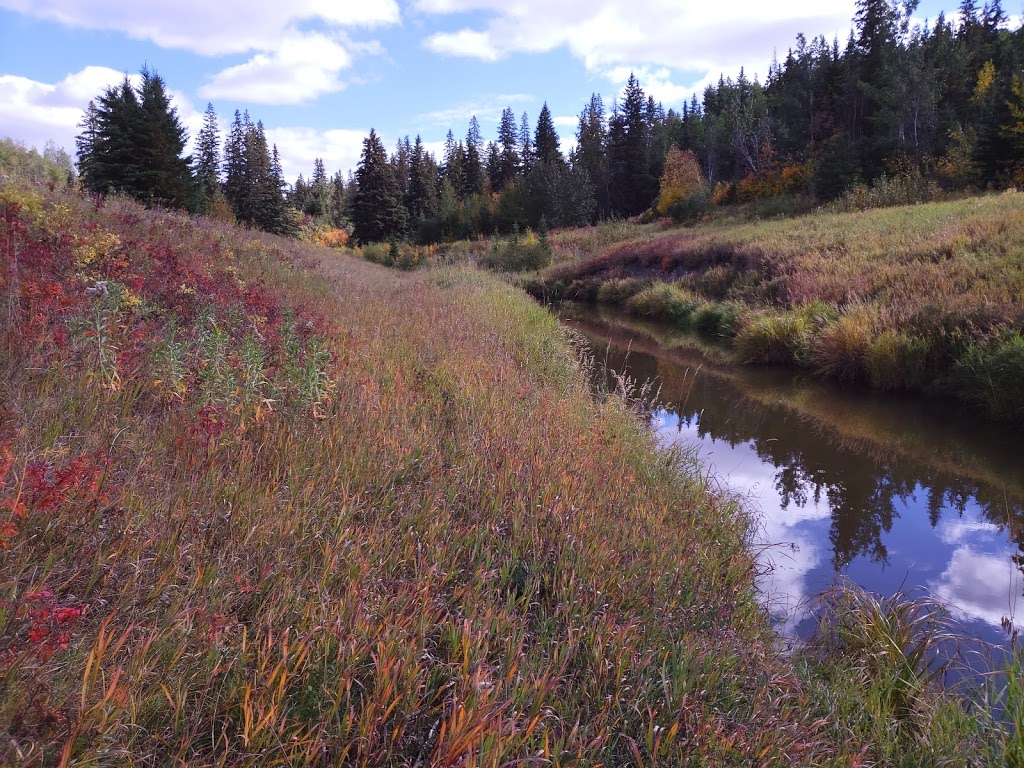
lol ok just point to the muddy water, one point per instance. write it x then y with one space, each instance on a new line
897 494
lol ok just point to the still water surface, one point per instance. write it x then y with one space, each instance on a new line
897 494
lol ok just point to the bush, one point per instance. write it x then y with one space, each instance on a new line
681 180
691 207
663 301
518 254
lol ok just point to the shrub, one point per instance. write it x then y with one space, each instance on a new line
518 254
691 207
663 301
681 180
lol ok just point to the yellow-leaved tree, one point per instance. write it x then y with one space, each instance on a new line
681 180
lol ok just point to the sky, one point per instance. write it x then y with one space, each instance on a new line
321 73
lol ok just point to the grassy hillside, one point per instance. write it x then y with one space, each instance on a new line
264 504
267 504
927 297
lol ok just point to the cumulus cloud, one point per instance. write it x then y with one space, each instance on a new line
38 112
979 586
298 49
210 28
300 69
660 35
300 146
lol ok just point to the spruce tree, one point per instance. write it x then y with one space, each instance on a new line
475 170
235 162
508 165
207 163
546 150
377 210
421 197
526 155
165 176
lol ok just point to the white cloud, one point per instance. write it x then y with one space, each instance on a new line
300 146
301 68
658 36
210 28
290 63
979 586
36 112
465 42
487 110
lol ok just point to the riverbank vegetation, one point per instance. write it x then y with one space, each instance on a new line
918 298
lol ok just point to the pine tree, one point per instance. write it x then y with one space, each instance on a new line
377 210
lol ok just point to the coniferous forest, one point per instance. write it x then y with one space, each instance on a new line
920 109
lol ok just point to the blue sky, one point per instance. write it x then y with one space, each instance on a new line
321 73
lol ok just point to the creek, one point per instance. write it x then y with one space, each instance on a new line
895 493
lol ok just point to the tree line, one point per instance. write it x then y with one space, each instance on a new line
942 101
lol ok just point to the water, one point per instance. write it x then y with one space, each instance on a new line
894 493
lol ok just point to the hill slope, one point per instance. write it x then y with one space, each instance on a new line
268 504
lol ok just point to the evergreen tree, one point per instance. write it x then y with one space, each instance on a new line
475 170
207 162
526 154
421 198
165 176
132 143
591 139
377 210
494 168
546 148
508 165
400 161
86 142
235 161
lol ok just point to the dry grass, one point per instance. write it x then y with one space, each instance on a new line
267 504
950 273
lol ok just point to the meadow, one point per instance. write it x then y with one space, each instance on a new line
919 298
265 503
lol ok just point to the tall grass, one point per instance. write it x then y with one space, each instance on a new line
252 515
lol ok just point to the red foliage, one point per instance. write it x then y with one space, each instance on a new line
46 626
